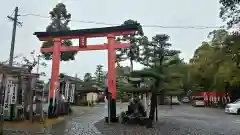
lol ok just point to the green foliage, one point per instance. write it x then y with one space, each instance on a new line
216 63
133 52
149 74
88 80
158 50
60 19
122 82
230 11
162 63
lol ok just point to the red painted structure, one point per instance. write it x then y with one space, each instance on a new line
83 35
213 98
215 94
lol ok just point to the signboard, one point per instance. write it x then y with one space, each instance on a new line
13 94
7 95
66 90
72 93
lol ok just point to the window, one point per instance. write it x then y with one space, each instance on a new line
237 101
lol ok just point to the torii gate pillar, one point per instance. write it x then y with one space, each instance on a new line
112 76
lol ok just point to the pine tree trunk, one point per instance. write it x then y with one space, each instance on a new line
161 95
152 110
153 106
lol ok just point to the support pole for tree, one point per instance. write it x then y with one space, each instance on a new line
157 109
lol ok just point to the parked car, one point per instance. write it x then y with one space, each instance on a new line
233 108
185 100
198 102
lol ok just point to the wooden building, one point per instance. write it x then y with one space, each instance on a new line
17 86
88 95
68 86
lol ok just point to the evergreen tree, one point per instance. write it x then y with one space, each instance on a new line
99 76
88 80
131 53
60 19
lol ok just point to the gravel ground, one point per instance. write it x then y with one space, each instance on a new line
57 129
181 120
167 126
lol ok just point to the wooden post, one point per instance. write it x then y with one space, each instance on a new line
157 109
42 111
20 96
31 82
3 86
25 96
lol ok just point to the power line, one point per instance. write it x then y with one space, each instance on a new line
149 26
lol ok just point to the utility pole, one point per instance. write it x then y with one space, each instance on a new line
15 23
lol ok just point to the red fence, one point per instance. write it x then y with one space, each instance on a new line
213 99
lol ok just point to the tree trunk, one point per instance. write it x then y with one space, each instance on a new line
161 95
152 110
31 82
156 108
153 106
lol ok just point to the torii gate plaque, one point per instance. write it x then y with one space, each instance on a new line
83 35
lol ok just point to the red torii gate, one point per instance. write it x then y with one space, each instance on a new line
83 35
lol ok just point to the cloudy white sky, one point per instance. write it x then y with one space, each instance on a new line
147 12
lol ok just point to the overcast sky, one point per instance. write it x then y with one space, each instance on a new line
147 12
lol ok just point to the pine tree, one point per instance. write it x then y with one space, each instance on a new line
88 80
131 53
60 19
99 75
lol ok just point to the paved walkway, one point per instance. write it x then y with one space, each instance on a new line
84 125
81 123
71 125
181 120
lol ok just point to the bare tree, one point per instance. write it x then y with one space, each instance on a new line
33 61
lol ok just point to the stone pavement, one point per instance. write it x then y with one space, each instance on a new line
79 124
57 127
181 120
84 125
